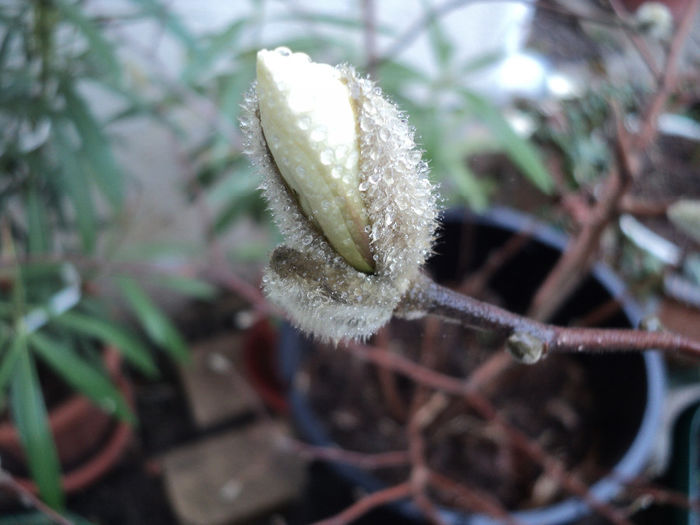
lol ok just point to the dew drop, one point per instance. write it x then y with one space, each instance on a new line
326 157
363 187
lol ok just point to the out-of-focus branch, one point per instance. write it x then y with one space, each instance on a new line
27 496
648 130
368 503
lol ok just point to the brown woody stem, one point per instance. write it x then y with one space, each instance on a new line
531 340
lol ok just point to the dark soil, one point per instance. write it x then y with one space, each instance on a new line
583 410
551 402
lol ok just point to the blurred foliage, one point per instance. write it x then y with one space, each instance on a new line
60 187
442 114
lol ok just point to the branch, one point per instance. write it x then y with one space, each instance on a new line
648 131
530 340
451 385
398 458
27 496
368 503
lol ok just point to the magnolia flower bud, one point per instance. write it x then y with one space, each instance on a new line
347 188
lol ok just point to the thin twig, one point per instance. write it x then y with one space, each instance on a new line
398 458
413 31
553 467
472 497
637 41
28 496
643 207
424 410
649 128
476 282
370 33
368 503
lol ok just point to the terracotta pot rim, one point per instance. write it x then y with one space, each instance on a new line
72 409
78 407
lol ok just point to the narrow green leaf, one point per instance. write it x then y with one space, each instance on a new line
95 147
233 88
75 184
6 44
154 322
172 23
189 286
9 357
218 44
29 414
480 62
127 344
81 376
98 45
234 186
37 222
519 150
331 20
684 214
468 186
442 48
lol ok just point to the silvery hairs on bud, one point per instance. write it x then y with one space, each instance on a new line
357 226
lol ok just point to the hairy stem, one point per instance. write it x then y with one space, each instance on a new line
531 340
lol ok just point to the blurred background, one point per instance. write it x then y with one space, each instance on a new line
138 377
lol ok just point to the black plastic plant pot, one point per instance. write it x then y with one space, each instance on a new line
685 465
628 389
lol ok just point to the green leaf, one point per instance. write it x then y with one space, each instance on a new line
519 150
127 344
156 250
480 62
6 44
95 147
9 358
82 376
172 23
328 19
234 186
442 48
395 77
37 222
189 286
154 322
233 88
468 185
684 214
98 45
76 185
30 417
220 43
